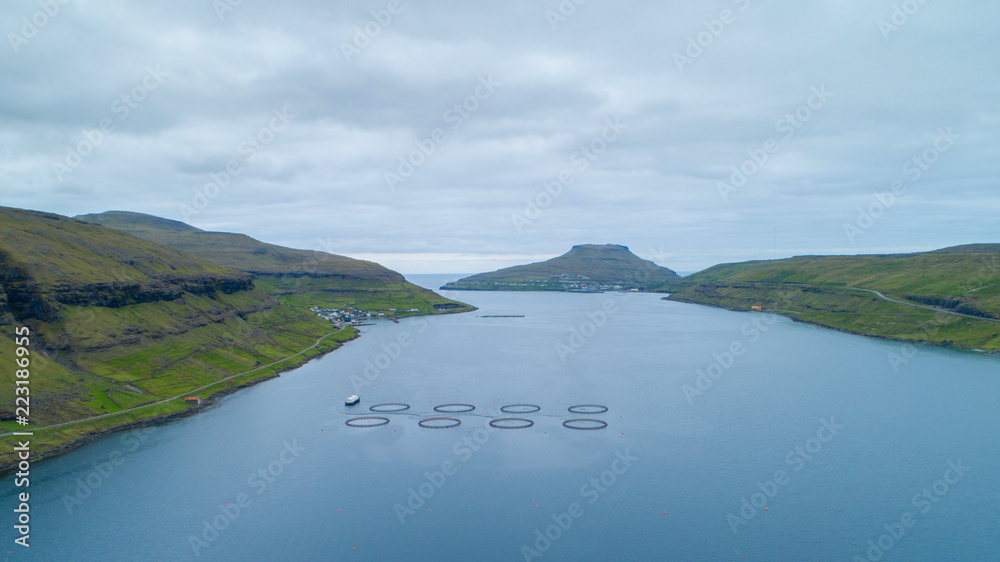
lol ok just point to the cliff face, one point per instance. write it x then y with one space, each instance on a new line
117 322
243 253
5 317
60 276
48 261
957 305
23 298
307 276
114 294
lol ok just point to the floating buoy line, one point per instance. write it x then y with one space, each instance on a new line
433 421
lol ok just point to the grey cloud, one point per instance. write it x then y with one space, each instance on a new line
323 176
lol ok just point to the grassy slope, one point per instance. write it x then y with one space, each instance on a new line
292 275
60 250
93 360
818 289
607 264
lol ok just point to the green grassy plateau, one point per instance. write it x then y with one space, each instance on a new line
831 291
292 275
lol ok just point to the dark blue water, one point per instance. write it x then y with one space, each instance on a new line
829 445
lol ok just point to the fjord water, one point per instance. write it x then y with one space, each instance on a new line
666 480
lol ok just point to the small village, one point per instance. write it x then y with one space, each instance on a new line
349 316
561 281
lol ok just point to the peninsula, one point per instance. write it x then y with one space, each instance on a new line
585 268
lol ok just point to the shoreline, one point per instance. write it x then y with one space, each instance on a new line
207 402
953 347
164 418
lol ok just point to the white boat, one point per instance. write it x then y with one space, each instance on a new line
352 400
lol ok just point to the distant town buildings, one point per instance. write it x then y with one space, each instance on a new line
351 316
558 282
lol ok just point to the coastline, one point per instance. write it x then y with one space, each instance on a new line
207 402
190 411
793 318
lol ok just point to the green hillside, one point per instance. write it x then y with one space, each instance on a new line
118 322
294 276
583 268
948 297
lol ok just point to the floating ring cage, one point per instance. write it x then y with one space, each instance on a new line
505 423
454 408
585 425
520 409
452 422
588 409
367 421
389 408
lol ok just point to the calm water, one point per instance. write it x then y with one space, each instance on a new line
665 481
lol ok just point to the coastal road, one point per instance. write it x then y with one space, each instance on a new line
934 308
313 346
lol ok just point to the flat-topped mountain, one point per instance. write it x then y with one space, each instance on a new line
589 267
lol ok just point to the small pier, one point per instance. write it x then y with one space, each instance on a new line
501 316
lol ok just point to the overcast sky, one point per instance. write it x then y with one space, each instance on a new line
315 106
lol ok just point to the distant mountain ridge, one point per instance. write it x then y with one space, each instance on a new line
970 249
586 267
239 251
304 274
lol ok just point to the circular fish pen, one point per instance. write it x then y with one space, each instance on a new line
367 421
588 409
520 409
585 425
389 408
436 423
454 408
511 423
